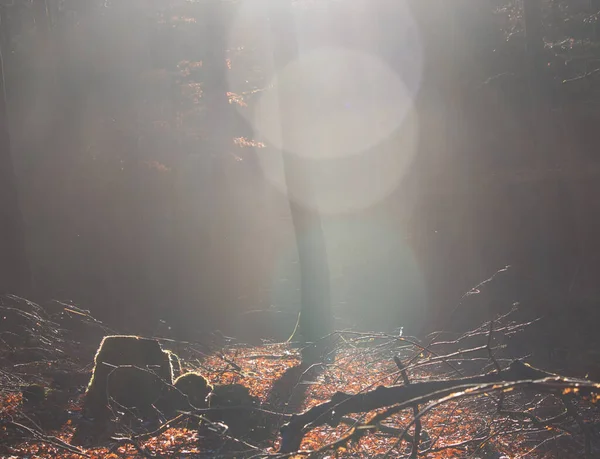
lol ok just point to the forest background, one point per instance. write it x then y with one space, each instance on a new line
151 194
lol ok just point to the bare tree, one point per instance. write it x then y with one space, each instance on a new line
14 269
541 135
315 319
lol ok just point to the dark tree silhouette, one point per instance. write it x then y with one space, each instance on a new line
596 9
539 121
315 320
14 269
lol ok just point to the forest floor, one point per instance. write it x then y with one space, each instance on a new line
60 359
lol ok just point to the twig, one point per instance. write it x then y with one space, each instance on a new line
411 342
582 77
380 428
39 436
560 384
572 411
475 290
155 433
540 423
417 433
488 346
528 453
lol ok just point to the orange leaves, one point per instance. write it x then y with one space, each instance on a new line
570 390
458 428
594 398
446 454
186 68
237 99
172 439
192 91
258 372
9 403
245 143
157 166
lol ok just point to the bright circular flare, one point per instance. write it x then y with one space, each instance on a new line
351 183
341 102
352 90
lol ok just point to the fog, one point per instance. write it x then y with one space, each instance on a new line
147 145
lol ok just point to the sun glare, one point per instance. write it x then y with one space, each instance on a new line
346 104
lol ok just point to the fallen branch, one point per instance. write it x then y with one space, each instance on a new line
40 437
341 404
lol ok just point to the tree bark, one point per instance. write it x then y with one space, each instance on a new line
315 320
14 269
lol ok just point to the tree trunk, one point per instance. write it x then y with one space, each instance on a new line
315 320
544 256
595 5
534 35
14 269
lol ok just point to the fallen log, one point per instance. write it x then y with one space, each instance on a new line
342 404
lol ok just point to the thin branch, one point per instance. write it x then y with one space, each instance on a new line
581 77
572 411
417 433
40 437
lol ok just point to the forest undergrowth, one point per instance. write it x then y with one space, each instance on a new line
53 347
